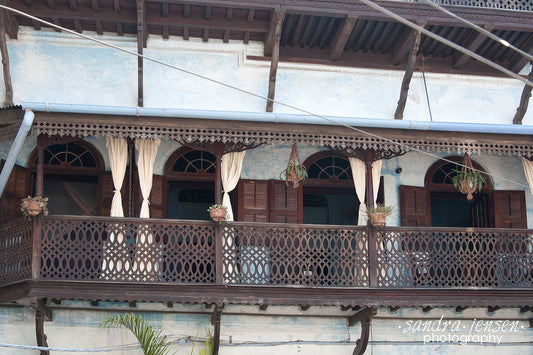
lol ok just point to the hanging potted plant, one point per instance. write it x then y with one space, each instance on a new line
378 214
218 212
468 180
295 170
32 206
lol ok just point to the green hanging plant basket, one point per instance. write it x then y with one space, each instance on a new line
295 172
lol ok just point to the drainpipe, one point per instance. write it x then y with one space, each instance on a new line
282 118
27 121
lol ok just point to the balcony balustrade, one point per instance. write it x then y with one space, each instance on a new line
104 249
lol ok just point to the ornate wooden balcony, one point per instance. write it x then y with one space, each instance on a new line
131 259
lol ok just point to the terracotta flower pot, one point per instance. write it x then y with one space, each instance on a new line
34 208
218 214
378 219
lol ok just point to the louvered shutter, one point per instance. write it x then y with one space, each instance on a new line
253 201
510 209
414 206
285 202
157 198
15 190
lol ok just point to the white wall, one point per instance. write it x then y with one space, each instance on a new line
56 67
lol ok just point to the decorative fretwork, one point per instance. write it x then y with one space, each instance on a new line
522 5
68 154
229 147
195 161
332 167
378 154
272 254
15 251
433 257
108 249
443 145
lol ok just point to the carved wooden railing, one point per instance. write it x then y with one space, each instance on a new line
200 252
15 251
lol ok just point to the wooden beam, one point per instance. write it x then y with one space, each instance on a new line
140 46
341 37
164 9
407 77
50 4
120 30
5 61
215 320
402 47
116 6
524 100
472 43
95 5
77 25
274 31
220 24
276 37
99 27
229 14
186 11
72 4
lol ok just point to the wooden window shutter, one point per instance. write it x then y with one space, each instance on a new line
253 201
157 197
15 190
285 202
510 209
414 206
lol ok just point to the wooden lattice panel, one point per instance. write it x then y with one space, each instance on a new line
273 254
15 251
127 250
522 5
457 258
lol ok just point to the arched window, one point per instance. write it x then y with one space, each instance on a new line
450 208
328 193
71 177
191 183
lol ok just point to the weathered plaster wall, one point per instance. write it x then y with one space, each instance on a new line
287 330
56 67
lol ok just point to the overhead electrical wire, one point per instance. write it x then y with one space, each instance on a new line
489 34
379 8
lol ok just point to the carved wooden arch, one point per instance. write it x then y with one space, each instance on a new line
434 168
333 180
48 142
171 161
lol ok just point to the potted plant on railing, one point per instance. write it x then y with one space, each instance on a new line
295 170
468 180
218 212
378 214
32 206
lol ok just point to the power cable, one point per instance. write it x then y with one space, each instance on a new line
405 146
478 28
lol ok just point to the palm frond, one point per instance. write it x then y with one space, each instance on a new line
151 341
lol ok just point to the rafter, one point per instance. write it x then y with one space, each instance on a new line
524 100
276 37
472 43
274 31
518 61
72 4
341 37
95 5
415 43
116 6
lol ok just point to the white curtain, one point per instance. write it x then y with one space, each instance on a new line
528 170
117 149
231 168
359 181
147 151
147 256
376 175
116 257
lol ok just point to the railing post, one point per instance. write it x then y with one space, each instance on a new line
36 247
218 255
372 256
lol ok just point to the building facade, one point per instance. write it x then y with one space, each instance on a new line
132 151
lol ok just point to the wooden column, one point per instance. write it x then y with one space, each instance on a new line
372 244
37 220
5 60
524 100
219 151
